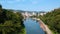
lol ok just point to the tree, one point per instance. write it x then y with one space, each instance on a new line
52 19
0 7
10 22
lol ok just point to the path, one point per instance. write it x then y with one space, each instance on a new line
44 26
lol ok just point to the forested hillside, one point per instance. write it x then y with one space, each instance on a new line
52 19
10 22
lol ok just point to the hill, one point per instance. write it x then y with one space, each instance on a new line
52 19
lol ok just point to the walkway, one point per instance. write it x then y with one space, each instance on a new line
44 26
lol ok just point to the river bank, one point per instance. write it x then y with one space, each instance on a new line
44 26
32 27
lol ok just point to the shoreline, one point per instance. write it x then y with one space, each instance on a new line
44 26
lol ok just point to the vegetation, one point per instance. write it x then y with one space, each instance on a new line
10 22
52 19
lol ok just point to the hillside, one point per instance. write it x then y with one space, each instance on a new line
52 19
10 22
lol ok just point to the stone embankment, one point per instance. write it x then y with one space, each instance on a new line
44 26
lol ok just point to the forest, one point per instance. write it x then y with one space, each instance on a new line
10 22
52 19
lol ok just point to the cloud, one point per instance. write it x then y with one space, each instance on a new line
13 1
34 2
17 0
10 2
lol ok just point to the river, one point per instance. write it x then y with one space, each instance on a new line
32 27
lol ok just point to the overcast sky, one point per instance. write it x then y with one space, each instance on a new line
31 5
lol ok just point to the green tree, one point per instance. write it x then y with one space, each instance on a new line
52 19
11 23
0 7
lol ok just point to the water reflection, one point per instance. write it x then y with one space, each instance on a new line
33 27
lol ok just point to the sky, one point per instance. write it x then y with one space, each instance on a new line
30 5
